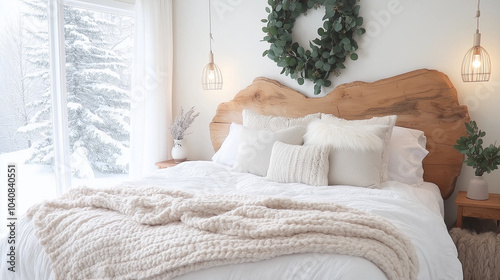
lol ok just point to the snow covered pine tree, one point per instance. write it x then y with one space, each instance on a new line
98 86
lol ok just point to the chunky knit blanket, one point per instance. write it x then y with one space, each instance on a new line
153 233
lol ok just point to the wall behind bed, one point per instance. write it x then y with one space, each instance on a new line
402 35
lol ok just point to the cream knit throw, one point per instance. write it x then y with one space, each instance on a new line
153 233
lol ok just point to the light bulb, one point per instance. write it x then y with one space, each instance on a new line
476 61
211 74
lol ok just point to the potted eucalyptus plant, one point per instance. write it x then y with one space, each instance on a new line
481 159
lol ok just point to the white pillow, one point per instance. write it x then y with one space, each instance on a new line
406 153
356 155
386 120
254 150
299 164
229 148
255 120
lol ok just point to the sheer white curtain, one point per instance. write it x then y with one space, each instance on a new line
151 97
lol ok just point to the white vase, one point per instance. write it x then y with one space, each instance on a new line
179 151
478 188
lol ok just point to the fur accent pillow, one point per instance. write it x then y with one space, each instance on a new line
356 151
348 137
254 150
387 120
255 120
299 164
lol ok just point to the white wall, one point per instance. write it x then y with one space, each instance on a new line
402 35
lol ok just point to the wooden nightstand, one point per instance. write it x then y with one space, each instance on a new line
484 209
166 164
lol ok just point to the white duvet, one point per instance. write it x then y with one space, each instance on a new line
415 210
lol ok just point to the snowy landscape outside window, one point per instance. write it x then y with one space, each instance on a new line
98 78
99 48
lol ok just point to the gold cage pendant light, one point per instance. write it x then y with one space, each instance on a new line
476 66
211 78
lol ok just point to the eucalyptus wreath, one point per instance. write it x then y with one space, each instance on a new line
327 53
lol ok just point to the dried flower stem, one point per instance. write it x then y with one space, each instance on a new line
182 122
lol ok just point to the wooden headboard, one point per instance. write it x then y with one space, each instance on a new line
422 99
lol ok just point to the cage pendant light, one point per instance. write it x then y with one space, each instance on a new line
476 66
212 76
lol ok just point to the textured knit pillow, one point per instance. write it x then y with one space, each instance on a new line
254 150
386 120
299 164
255 120
356 151
406 153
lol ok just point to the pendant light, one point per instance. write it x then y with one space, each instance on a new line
211 76
476 66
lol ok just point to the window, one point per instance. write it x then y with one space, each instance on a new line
75 129
25 101
98 47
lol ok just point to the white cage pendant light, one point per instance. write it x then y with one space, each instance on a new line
476 66
212 76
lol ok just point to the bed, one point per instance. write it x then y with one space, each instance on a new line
226 219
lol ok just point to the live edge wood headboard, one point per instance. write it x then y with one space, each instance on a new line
422 99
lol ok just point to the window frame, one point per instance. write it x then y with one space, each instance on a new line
110 6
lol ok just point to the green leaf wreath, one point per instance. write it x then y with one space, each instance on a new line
327 53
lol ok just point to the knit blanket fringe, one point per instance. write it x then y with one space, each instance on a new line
154 233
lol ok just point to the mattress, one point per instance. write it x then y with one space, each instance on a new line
416 210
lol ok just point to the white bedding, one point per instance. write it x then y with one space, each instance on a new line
415 210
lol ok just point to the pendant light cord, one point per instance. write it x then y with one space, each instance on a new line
478 14
210 24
